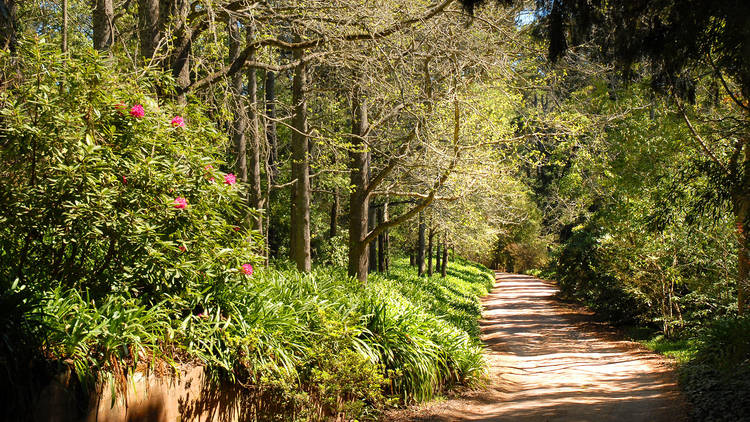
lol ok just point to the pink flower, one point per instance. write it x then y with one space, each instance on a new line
236 228
120 107
211 179
124 180
181 248
178 121
209 167
137 111
247 269
180 202
230 179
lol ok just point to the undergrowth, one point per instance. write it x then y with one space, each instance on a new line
322 343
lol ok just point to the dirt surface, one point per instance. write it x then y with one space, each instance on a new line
551 362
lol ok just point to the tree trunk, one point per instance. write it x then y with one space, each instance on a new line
271 167
270 93
382 252
8 25
421 245
102 22
300 216
386 241
64 46
429 251
239 124
182 45
438 253
149 27
444 269
255 197
359 200
372 246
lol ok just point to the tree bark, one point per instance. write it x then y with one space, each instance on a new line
429 251
8 10
239 124
270 93
64 46
382 241
149 27
300 204
182 41
372 246
255 196
421 245
444 269
438 253
386 240
102 22
359 199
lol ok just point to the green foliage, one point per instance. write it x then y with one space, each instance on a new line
89 198
334 251
96 262
322 343
323 333
717 379
105 338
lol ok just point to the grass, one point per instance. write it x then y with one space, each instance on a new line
679 349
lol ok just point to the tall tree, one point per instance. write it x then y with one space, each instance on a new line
359 198
239 110
430 238
444 268
8 10
438 252
103 18
300 212
64 37
421 246
149 27
255 196
383 239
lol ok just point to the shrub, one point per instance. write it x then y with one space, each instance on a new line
102 192
717 379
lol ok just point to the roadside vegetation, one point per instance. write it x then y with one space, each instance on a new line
124 246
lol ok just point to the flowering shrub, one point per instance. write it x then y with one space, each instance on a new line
100 200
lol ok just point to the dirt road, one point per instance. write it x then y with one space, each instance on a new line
550 362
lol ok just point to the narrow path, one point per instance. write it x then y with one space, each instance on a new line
551 362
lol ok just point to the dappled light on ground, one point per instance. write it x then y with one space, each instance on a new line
551 362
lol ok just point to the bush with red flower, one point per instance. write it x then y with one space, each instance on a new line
111 197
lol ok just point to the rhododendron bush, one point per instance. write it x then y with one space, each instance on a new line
109 189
